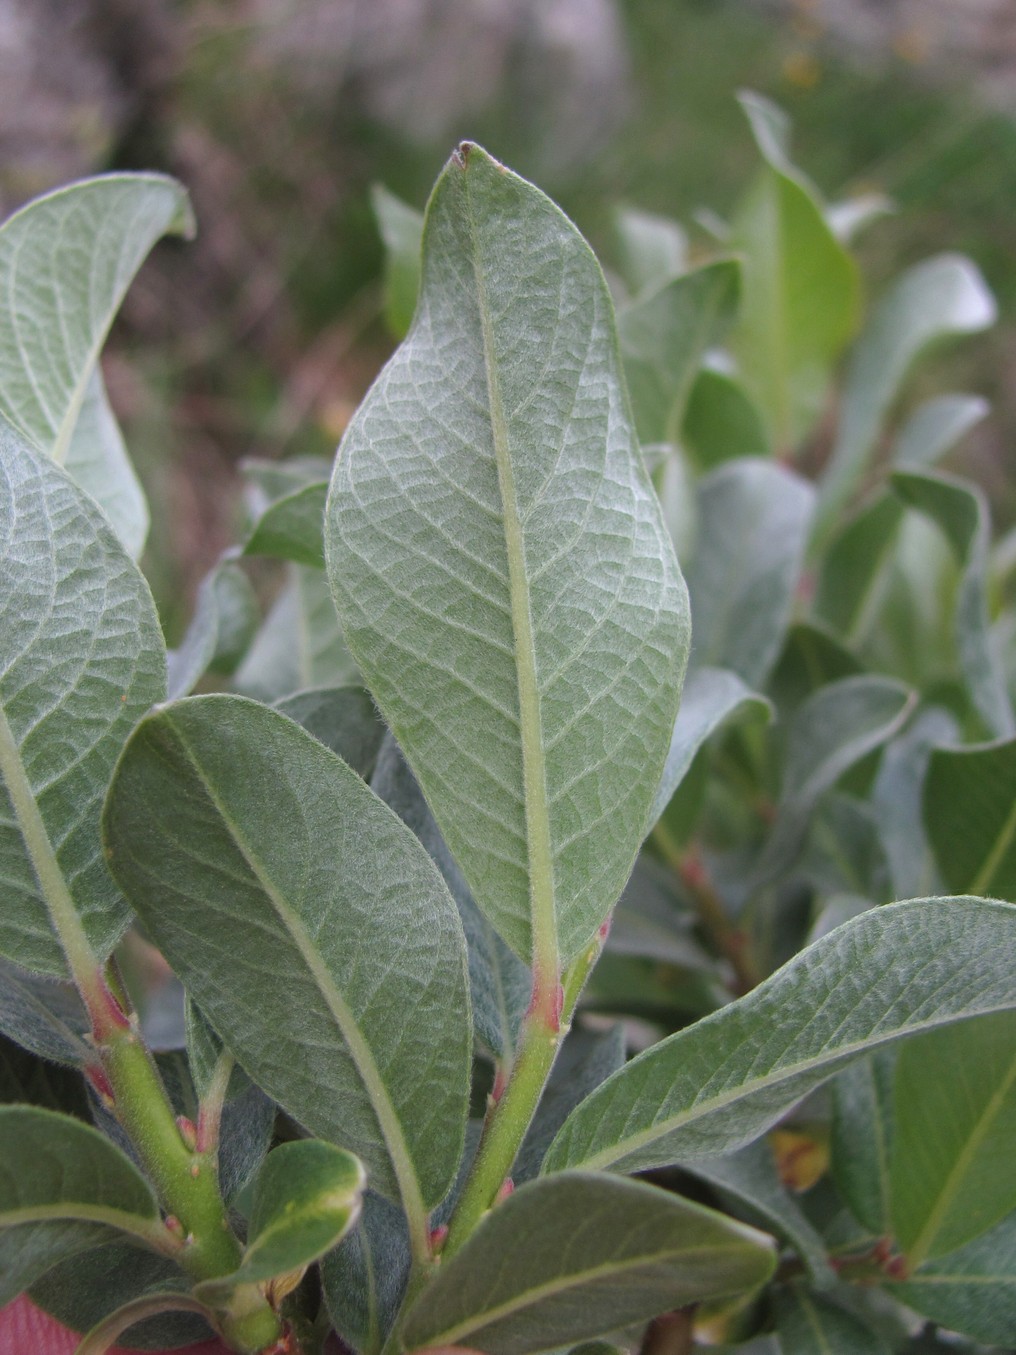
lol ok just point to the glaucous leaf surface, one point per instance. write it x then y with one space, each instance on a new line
811 657
893 971
501 568
66 261
720 421
500 985
970 816
941 297
753 526
102 1336
810 1324
299 644
710 696
63 1187
853 567
972 1290
578 1255
664 335
401 228
953 1172
364 1278
897 798
862 1136
309 925
961 511
81 657
306 1198
650 249
345 720
225 619
800 289
45 1017
291 527
935 427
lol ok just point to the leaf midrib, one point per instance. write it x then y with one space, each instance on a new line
363 1058
543 915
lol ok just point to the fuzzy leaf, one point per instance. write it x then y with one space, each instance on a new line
45 1017
862 1138
970 817
501 567
225 823
364 1278
577 1256
401 228
299 644
343 718
897 799
66 261
894 971
291 527
81 657
224 622
720 421
809 1324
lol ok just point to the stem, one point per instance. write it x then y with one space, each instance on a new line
546 1024
729 940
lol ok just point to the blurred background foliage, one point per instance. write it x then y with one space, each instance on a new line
259 338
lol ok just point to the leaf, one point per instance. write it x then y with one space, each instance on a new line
811 658
753 524
401 228
853 567
862 1138
710 696
26 1079
299 644
894 971
579 1255
720 421
343 718
100 1339
651 249
653 919
847 219
221 630
238 887
664 335
970 816
63 1187
306 1198
897 799
961 511
45 1017
81 657
66 261
501 568
935 427
365 1277
810 1324
88 1286
800 290
832 730
291 527
953 1175
500 985
972 1290
749 1178
941 297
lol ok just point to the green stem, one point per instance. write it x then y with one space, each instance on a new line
546 1024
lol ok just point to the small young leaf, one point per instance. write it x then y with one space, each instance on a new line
943 296
853 566
953 1174
306 1198
221 630
401 228
580 1255
45 1017
935 427
897 799
365 1277
862 1138
810 1324
753 525
63 1187
224 824
651 249
501 568
344 719
892 972
299 644
970 817
81 657
663 337
720 421
291 527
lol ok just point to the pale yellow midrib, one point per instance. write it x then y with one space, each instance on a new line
543 913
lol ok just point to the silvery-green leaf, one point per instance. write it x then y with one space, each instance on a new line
853 567
81 658
940 297
364 1278
961 510
710 696
849 217
651 249
811 1324
969 813
401 228
935 427
753 525
501 986
299 644
579 1255
862 1138
663 337
45 1017
66 261
345 720
893 971
501 568
224 823
290 528
720 421
225 619
897 799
